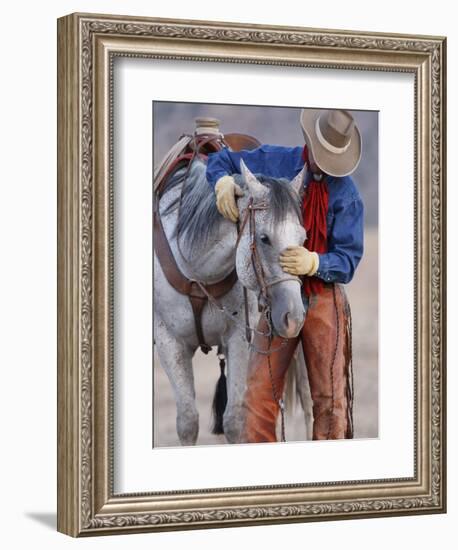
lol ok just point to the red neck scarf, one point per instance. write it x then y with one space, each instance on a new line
314 211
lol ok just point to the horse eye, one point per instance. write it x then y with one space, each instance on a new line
264 239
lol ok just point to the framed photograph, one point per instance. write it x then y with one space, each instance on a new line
251 276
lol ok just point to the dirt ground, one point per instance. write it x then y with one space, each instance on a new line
363 296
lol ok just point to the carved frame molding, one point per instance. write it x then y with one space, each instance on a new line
87 45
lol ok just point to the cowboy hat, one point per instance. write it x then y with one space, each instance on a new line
333 138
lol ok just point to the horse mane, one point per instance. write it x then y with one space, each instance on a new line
283 200
199 218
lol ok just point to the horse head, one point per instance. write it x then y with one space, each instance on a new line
271 220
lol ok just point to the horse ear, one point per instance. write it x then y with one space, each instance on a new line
255 188
298 182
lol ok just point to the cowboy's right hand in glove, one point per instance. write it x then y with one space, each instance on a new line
226 190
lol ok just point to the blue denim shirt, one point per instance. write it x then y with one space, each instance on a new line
345 218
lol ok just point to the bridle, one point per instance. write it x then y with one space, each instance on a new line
264 284
264 298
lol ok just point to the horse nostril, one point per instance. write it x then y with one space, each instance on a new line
287 319
290 321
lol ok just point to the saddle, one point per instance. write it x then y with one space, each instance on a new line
196 146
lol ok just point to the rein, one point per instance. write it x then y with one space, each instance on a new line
265 305
264 299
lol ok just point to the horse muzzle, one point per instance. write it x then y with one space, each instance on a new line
289 326
288 312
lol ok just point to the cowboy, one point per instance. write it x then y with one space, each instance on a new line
333 218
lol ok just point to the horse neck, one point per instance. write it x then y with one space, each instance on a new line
214 261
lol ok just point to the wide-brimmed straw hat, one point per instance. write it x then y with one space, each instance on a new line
333 138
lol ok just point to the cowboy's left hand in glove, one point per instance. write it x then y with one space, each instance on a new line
297 260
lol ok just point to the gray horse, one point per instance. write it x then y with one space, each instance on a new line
204 246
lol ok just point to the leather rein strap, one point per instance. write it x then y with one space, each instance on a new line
265 307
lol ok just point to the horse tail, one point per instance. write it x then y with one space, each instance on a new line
290 395
297 391
219 399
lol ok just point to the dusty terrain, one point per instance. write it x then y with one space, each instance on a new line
363 296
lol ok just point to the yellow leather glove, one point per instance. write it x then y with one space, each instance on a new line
297 260
226 190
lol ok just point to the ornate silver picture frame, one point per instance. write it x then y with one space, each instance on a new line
88 45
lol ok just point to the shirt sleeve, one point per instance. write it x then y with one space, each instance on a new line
269 159
345 244
223 163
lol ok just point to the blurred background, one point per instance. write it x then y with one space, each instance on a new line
280 126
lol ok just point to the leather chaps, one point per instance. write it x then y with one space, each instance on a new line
325 337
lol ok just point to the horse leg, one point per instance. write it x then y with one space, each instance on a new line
176 360
237 365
